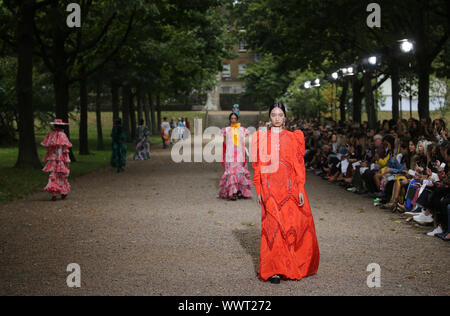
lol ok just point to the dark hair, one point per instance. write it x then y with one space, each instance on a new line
229 118
141 122
446 146
404 145
279 105
390 139
118 127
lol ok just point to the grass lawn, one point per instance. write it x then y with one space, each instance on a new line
18 183
387 115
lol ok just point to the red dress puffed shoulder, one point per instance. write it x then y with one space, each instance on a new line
289 244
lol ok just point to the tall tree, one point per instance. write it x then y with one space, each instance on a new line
63 48
343 100
98 112
24 12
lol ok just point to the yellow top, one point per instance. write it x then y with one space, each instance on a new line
383 161
235 133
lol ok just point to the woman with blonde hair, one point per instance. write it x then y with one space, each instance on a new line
422 159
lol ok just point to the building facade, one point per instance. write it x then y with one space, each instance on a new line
231 86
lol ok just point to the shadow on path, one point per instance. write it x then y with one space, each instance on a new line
250 240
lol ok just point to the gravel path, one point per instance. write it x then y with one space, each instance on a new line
158 229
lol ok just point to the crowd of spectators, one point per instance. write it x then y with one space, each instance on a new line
402 165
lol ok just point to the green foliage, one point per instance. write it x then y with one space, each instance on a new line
263 79
305 103
175 48
7 100
302 34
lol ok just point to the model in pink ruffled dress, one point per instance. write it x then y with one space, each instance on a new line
235 182
57 160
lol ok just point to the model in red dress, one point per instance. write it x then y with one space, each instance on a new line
289 247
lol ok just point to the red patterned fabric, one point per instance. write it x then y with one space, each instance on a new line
57 161
289 244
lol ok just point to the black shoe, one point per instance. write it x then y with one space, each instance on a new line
63 196
442 236
53 198
380 195
275 280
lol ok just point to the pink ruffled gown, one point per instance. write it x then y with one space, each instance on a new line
236 177
57 161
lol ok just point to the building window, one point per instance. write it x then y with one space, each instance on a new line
242 68
226 72
257 57
226 90
242 46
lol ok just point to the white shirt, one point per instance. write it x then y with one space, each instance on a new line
166 127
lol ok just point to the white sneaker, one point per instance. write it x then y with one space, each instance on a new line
438 230
423 219
413 213
353 190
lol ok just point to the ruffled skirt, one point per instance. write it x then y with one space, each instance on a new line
58 183
57 165
235 178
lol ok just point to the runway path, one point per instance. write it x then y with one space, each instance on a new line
158 229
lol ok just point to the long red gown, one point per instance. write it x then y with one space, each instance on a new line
289 244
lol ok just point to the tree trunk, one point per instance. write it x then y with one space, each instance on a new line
125 113
98 112
152 111
83 132
146 104
370 104
115 99
61 82
424 60
424 89
395 78
343 100
158 109
357 98
140 106
27 156
132 113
